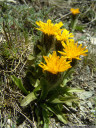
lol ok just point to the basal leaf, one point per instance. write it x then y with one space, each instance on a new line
45 118
19 83
68 98
75 90
37 114
29 98
37 88
56 101
58 113
37 83
64 99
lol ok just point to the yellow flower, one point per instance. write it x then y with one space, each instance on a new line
64 36
72 50
49 28
55 64
75 11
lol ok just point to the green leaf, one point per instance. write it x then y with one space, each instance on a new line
58 113
37 88
68 98
44 87
29 98
30 59
42 49
56 101
76 90
19 83
68 73
64 99
37 114
63 90
57 92
37 83
64 82
45 118
79 27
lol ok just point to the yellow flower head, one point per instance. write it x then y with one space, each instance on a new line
55 64
72 50
49 28
75 11
64 36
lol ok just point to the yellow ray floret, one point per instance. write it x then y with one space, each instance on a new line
72 50
55 64
49 28
64 36
74 11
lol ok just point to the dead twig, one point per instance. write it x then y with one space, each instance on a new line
73 115
20 60
63 16
19 110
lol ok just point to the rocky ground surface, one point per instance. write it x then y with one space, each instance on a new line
84 77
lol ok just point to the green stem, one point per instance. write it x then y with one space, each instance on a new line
74 22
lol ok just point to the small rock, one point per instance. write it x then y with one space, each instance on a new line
87 69
9 121
89 104
93 40
93 111
82 108
85 95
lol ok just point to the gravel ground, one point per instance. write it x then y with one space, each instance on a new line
84 77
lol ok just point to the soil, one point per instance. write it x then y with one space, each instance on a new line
84 77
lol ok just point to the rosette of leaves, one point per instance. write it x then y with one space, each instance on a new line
48 97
